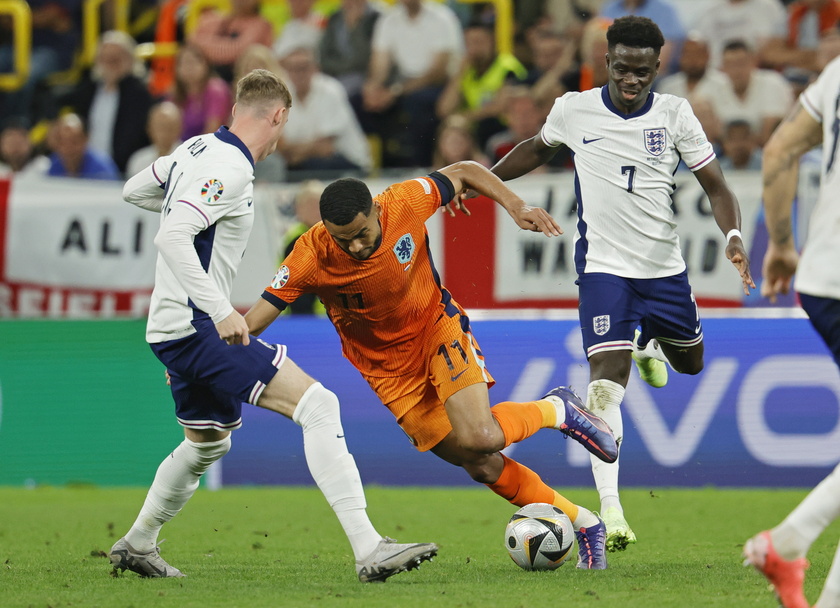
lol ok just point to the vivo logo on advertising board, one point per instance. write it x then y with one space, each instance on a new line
674 445
764 412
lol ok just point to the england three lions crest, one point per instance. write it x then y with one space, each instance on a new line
404 248
601 324
655 141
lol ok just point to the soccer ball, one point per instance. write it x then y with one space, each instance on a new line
539 536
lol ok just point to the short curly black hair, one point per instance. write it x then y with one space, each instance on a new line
344 199
635 32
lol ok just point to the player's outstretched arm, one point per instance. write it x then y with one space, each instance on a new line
524 158
470 174
797 134
728 217
261 315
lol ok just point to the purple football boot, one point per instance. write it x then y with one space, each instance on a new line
582 425
592 547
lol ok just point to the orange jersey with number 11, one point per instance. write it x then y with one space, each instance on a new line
383 307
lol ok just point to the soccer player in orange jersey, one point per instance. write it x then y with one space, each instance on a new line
370 264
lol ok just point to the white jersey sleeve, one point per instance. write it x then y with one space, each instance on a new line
818 273
690 140
186 217
147 187
554 129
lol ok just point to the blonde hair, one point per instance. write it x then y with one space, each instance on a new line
262 88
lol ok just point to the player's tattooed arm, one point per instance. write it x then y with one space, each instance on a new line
797 134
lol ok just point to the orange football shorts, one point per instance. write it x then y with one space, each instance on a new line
452 361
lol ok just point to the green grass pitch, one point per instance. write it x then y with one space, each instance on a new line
278 547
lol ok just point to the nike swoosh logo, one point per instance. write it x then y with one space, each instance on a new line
251 202
339 436
589 141
697 330
456 376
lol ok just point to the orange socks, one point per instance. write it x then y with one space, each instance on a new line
520 486
521 420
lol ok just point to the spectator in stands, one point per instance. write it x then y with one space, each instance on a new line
222 38
72 157
113 100
661 12
307 213
455 142
17 154
477 89
592 71
322 133
272 169
255 57
570 16
55 37
761 97
346 46
555 67
524 119
695 77
753 21
414 46
808 21
303 30
203 97
164 127
740 148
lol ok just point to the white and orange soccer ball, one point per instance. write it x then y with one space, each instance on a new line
539 536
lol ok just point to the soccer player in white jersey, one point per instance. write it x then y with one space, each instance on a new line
780 553
205 195
627 142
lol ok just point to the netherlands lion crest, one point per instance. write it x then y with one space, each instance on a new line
655 141
281 278
404 248
601 324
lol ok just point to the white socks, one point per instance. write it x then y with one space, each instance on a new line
333 467
793 537
603 398
585 519
175 482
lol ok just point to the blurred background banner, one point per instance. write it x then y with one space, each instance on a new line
74 249
86 402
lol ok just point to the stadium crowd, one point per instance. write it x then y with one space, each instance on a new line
388 86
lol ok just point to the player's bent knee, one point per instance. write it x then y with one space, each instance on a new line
481 441
483 472
206 453
691 368
317 406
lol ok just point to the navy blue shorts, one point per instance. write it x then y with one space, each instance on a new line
612 307
211 379
824 314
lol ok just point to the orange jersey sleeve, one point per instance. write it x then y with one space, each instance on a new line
382 307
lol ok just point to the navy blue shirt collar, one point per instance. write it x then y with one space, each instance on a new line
605 96
226 136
